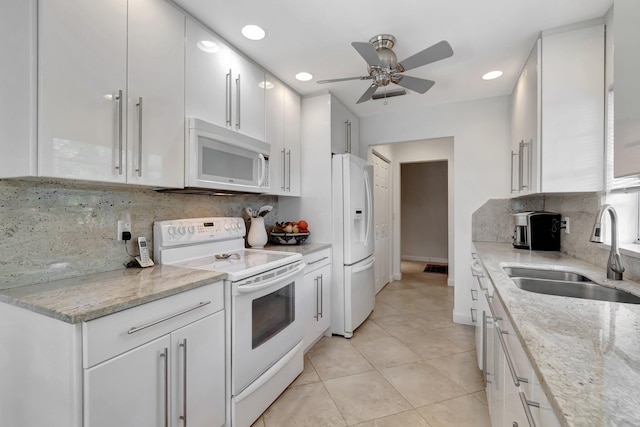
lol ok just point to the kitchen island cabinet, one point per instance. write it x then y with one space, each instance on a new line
117 348
557 113
581 356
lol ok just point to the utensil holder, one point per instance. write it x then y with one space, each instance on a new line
257 236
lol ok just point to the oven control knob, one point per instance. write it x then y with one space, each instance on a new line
182 230
191 229
233 226
171 231
226 226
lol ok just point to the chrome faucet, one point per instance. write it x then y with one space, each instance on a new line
614 265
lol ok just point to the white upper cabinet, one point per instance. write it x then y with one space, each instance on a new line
223 87
283 133
626 69
557 114
18 89
345 129
89 113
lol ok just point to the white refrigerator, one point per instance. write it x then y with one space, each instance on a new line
352 285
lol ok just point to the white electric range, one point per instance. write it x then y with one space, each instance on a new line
262 291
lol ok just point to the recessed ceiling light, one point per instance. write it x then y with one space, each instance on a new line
253 32
304 76
492 75
266 85
208 46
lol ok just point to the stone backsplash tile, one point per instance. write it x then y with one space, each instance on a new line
57 229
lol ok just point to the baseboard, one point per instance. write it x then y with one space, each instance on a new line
450 282
397 276
424 259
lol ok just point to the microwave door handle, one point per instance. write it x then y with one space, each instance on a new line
263 169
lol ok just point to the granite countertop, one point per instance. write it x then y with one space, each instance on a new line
586 353
88 297
304 248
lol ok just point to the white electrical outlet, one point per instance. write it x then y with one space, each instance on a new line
124 225
566 222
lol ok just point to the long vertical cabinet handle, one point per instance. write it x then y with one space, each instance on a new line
513 154
526 403
238 102
165 355
346 136
530 159
139 105
284 170
289 170
526 148
227 98
485 380
315 283
183 417
520 165
120 100
321 296
349 134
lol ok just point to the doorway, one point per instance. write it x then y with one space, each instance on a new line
424 214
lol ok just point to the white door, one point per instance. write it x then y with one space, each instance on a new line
357 208
248 97
155 153
382 220
359 295
199 373
82 69
131 389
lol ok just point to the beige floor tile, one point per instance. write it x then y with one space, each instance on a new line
307 376
305 406
258 423
398 285
422 384
368 331
386 352
382 310
464 411
463 336
403 419
461 368
481 396
365 397
334 357
429 345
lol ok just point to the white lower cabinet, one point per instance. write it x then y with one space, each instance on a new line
514 395
317 296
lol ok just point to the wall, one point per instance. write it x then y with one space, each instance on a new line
423 211
53 230
480 132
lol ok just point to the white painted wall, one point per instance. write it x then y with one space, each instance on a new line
423 211
480 133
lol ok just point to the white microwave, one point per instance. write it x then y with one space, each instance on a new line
220 159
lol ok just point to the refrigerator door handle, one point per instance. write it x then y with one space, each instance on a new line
368 193
364 267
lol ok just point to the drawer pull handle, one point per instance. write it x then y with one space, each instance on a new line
512 368
164 319
165 356
184 383
526 404
318 260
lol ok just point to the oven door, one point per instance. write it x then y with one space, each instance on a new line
266 322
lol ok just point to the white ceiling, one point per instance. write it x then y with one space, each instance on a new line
316 36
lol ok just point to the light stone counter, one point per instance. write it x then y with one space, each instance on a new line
88 297
304 248
586 353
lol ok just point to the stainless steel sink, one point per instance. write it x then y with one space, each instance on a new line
574 289
534 273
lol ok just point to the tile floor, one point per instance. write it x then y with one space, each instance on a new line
408 365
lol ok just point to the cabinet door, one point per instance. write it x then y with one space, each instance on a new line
82 53
274 103
199 373
292 141
323 296
208 76
309 307
339 127
248 97
155 137
626 69
132 389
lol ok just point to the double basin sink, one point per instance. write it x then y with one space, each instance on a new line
567 284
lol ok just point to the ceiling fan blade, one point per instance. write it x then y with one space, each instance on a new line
415 84
368 52
431 54
368 94
344 79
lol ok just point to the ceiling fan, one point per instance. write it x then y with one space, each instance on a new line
384 68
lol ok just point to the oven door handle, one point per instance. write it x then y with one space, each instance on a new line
247 289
